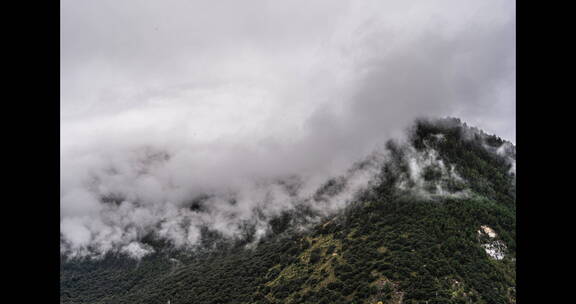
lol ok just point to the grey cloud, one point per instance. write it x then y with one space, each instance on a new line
235 95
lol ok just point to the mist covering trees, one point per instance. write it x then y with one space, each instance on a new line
389 245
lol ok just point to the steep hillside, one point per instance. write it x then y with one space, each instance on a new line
437 225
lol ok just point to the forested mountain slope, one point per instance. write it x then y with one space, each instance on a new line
437 225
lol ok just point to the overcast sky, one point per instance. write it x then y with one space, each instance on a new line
255 89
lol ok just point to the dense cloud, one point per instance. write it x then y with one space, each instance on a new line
165 100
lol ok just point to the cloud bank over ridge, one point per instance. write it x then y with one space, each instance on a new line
164 101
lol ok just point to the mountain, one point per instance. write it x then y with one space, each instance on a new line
436 223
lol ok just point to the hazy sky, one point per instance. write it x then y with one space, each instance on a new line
255 89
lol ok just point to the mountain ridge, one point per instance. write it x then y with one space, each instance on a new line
415 235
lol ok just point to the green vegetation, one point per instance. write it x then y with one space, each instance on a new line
390 247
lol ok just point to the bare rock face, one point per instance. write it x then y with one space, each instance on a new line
494 248
487 230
